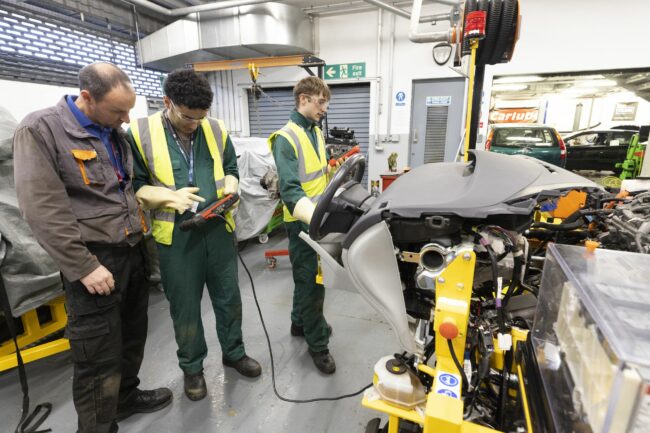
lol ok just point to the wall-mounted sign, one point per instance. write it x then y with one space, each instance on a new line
345 70
514 115
400 97
438 100
625 111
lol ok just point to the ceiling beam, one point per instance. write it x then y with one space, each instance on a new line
172 3
179 12
262 62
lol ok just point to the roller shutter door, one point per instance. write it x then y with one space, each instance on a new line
349 108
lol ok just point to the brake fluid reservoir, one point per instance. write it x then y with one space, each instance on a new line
397 384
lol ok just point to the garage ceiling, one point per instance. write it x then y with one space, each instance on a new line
120 14
307 5
578 85
184 3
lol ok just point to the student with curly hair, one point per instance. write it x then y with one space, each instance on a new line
185 160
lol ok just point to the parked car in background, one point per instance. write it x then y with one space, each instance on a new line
534 140
598 149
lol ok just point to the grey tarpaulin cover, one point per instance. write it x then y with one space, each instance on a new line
31 277
255 209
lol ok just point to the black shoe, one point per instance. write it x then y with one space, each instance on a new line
144 402
323 361
194 385
299 331
246 366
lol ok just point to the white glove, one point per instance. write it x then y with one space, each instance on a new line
155 197
304 210
232 185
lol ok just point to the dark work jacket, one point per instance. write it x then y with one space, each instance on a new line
68 191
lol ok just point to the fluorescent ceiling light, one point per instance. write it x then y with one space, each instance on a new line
597 83
579 90
520 79
624 94
508 87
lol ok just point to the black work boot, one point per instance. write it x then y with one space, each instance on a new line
144 402
194 385
246 366
323 361
299 331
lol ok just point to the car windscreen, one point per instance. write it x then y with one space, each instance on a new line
621 138
524 137
586 139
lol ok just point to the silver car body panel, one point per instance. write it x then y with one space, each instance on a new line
372 265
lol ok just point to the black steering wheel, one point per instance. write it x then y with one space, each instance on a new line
355 164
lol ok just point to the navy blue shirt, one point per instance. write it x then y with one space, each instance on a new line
104 134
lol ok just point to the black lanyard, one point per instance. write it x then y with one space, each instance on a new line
189 158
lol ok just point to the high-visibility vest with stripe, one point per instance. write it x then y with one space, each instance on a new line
149 136
312 166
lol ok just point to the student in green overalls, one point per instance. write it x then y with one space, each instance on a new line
299 152
184 161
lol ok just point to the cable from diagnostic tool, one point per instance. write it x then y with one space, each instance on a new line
268 342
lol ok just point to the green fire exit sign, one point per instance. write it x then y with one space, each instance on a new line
345 70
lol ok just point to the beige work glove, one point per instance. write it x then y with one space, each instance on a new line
304 210
156 197
231 187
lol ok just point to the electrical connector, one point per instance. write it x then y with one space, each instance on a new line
504 341
467 366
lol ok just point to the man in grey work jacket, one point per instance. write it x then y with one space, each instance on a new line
73 174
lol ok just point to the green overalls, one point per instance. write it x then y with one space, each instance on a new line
197 258
308 296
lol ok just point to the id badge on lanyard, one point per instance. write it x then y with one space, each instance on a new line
189 159
190 163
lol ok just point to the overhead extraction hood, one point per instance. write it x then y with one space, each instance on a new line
261 30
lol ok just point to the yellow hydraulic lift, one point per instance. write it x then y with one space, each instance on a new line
444 410
33 332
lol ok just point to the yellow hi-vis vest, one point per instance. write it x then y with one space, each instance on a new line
149 136
312 167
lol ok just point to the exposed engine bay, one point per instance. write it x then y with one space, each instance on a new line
405 250
628 225
339 141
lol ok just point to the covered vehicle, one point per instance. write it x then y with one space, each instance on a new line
256 207
599 149
537 141
30 276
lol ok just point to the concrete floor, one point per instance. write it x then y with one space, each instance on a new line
235 403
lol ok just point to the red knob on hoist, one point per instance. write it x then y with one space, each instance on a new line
475 25
448 330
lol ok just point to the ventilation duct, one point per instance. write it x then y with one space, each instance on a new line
261 30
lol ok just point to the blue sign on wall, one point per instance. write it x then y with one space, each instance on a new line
400 97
